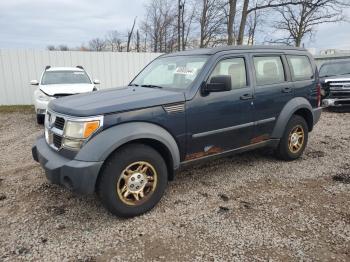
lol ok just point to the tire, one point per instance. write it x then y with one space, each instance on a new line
287 150
40 119
112 183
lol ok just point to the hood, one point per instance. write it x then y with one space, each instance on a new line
68 89
114 100
335 78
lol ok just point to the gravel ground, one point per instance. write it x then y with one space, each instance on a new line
247 207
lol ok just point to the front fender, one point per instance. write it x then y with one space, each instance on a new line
103 144
289 109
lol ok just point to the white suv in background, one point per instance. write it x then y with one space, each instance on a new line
58 82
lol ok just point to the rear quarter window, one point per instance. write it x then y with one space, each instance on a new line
300 67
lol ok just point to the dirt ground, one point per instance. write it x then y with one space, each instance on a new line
243 208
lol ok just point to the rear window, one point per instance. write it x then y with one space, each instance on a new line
268 70
300 67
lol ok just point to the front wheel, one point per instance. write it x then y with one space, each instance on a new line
294 139
133 180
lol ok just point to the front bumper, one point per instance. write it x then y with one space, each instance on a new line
40 106
78 176
337 102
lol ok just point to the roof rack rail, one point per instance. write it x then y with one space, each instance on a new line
47 67
81 67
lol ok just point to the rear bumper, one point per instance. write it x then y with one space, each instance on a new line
337 102
78 176
316 113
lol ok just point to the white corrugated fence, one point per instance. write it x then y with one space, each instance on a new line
18 67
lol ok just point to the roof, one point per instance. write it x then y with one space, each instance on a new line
64 69
211 51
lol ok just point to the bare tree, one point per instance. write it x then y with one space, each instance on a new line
159 25
130 33
114 40
97 44
301 21
63 48
250 6
211 22
51 48
254 19
188 13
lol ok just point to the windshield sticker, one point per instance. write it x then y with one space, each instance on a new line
78 73
185 71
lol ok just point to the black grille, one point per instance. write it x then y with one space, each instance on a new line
339 94
57 140
59 123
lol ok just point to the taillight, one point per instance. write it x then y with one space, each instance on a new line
318 90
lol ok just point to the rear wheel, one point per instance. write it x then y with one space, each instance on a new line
40 119
133 180
294 139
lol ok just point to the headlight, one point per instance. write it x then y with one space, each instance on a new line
41 96
76 132
81 130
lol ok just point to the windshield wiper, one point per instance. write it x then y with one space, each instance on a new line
152 86
133 84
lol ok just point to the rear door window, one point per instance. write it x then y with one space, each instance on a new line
268 70
300 67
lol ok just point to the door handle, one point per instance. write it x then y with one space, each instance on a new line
287 90
246 97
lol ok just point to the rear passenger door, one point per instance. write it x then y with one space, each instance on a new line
273 89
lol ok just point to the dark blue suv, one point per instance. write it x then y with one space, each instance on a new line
127 143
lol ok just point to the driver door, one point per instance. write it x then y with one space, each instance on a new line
222 121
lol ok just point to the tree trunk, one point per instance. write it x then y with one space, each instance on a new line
130 36
203 22
183 27
179 26
243 22
231 18
137 41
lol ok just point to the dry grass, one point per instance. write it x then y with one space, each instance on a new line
25 109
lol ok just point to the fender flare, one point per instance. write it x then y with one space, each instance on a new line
104 143
288 110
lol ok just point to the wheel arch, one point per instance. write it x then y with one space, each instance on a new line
108 141
297 106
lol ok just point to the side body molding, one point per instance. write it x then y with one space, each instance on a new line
104 143
289 109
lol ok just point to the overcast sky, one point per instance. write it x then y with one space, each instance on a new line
38 23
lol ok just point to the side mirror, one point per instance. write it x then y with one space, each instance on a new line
220 83
34 82
96 82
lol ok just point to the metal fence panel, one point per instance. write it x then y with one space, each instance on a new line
18 67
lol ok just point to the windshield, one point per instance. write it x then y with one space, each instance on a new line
171 72
65 77
335 69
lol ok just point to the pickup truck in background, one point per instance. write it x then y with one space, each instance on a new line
335 81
